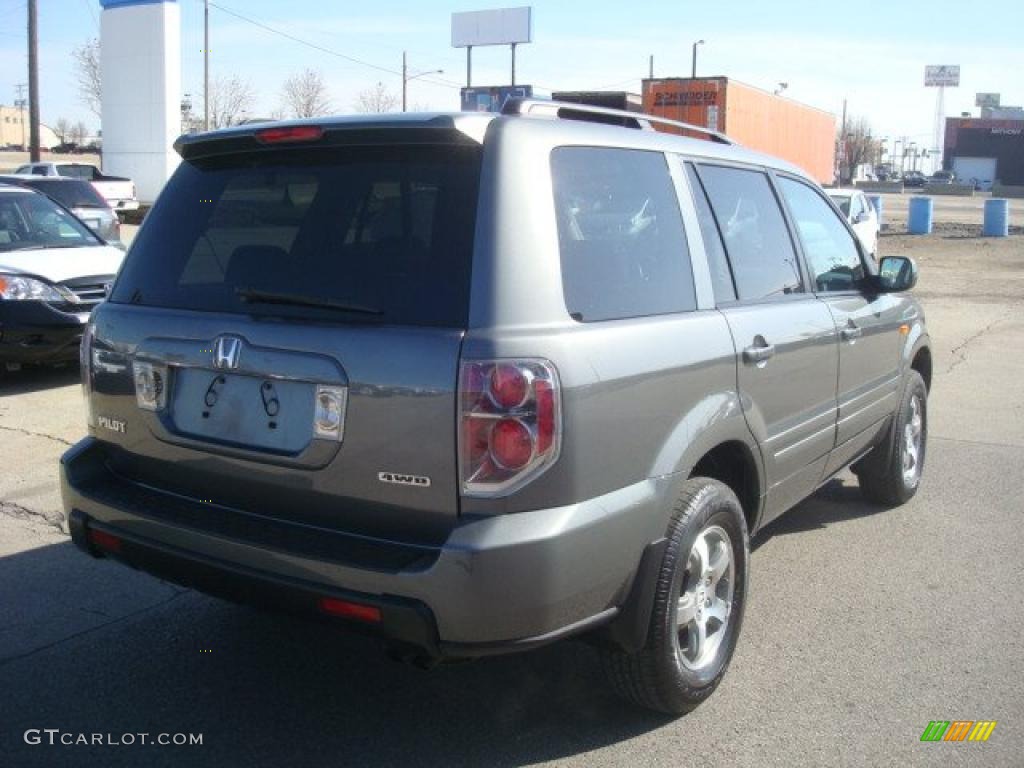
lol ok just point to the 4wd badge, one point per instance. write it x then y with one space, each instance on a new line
397 479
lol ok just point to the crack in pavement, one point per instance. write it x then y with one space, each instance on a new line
60 440
18 512
8 659
960 350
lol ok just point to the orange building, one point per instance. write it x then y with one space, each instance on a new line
803 135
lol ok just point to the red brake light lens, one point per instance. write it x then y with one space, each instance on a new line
289 134
509 386
510 424
511 444
104 540
349 610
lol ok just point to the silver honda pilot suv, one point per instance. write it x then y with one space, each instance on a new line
477 383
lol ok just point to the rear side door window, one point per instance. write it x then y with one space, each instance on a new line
830 249
718 263
757 241
620 233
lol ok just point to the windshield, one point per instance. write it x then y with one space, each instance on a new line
31 221
312 230
70 194
842 202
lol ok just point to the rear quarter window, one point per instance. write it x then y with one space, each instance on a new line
620 233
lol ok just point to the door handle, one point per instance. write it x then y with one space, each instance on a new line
851 332
759 351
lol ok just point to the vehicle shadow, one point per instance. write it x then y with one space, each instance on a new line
838 500
267 689
37 378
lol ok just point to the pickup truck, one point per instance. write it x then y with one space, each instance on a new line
118 191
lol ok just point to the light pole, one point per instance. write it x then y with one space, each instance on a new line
406 77
693 72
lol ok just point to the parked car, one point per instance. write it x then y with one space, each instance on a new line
53 272
81 198
118 191
861 215
481 382
942 177
914 179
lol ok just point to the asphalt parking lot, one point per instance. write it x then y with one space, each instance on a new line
863 624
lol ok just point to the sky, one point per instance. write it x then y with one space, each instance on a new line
870 53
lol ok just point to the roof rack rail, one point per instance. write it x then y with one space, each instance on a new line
637 120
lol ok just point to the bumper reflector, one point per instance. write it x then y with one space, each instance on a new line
348 610
105 540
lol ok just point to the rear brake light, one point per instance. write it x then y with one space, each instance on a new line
85 353
289 133
348 610
104 540
510 424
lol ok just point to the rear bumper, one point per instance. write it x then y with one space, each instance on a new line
37 332
498 584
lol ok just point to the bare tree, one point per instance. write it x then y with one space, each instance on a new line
305 94
857 147
376 99
230 98
87 74
63 129
78 132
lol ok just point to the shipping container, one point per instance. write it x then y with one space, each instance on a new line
757 119
630 102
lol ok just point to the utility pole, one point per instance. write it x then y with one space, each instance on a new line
405 80
513 64
206 65
693 71
650 69
33 82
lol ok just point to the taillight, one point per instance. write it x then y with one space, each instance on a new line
510 424
85 368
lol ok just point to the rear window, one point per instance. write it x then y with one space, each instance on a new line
620 232
384 231
76 171
70 194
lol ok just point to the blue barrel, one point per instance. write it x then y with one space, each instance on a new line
997 218
876 203
920 222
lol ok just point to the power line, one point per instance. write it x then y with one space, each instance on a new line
321 48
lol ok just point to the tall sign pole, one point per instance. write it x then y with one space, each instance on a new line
941 76
206 65
33 81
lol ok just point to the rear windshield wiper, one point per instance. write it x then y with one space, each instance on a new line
255 296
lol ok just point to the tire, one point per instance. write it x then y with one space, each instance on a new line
669 674
891 474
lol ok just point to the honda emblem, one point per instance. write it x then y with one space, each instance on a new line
226 352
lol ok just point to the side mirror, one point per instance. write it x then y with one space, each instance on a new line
896 274
861 217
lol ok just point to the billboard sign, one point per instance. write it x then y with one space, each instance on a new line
493 98
942 76
990 100
504 26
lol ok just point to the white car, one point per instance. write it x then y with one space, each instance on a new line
118 191
862 217
53 271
